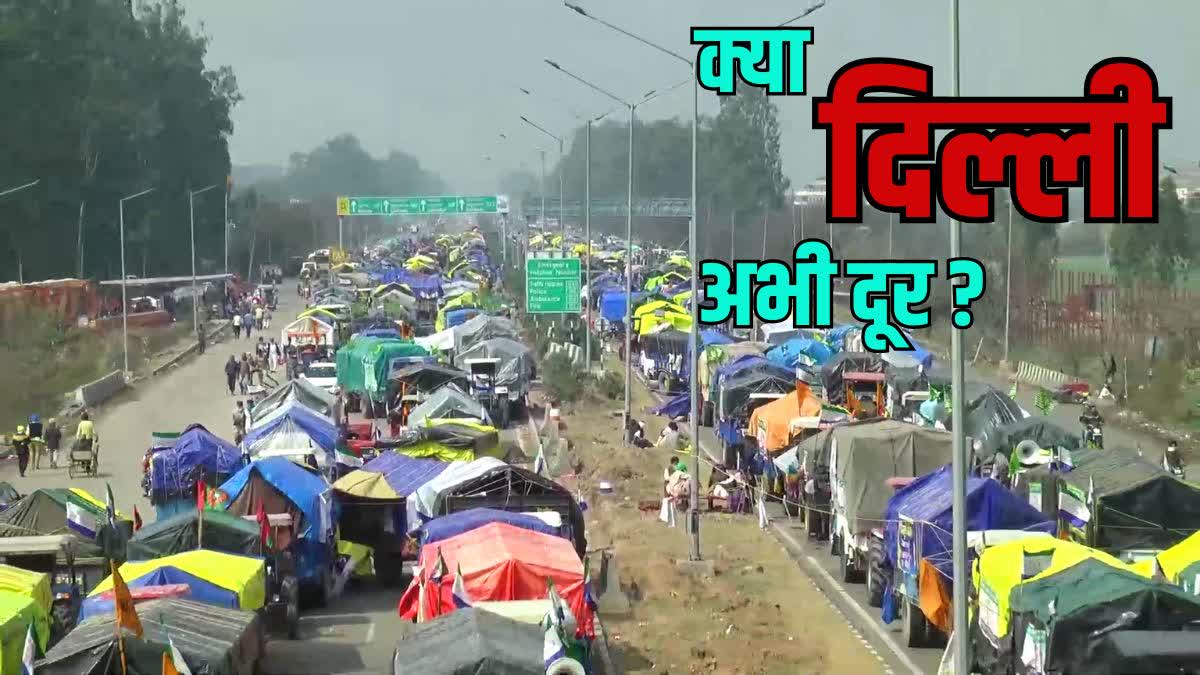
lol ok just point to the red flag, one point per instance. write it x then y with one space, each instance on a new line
137 519
264 527
201 495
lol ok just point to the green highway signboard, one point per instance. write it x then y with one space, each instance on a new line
552 285
415 206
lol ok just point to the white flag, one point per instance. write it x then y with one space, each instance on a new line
181 666
30 653
763 520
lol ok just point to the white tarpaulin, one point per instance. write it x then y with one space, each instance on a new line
307 331
420 504
442 341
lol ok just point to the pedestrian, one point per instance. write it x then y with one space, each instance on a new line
247 321
273 354
53 434
37 440
244 371
260 348
231 374
239 423
237 325
20 444
258 367
267 319
258 316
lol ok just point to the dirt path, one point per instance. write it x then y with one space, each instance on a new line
756 613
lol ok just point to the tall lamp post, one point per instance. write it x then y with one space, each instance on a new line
562 220
18 188
192 225
125 277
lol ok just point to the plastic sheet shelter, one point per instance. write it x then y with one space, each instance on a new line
987 411
715 356
439 342
372 498
429 377
805 352
1038 429
1178 563
512 488
1134 504
847 362
446 527
754 375
32 585
516 360
44 512
421 504
613 305
293 431
283 487
1000 569
366 364
927 502
866 455
309 330
501 562
223 531
1096 618
658 312
197 454
212 640
301 391
448 402
17 613
776 422
245 576
483 327
470 641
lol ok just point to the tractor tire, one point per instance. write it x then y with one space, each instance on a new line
913 624
707 414
664 383
875 574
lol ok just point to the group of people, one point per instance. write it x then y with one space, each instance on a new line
249 315
241 374
31 439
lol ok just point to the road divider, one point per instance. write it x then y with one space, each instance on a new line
95 393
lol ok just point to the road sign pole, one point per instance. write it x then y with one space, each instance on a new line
627 408
340 232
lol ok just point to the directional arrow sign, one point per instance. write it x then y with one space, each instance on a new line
409 206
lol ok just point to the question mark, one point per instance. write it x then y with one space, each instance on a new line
965 294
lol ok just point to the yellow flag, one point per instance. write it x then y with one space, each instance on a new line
123 603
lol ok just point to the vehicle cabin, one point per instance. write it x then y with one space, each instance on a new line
865 394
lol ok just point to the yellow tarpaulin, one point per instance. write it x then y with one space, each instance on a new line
360 555
17 612
650 322
367 485
84 494
33 585
774 422
999 570
438 451
243 575
1172 561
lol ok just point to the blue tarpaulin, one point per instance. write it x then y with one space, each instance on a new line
301 486
423 286
405 474
293 414
440 529
612 305
380 332
927 502
674 407
457 317
197 451
799 351
199 590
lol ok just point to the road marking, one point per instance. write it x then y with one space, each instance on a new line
370 633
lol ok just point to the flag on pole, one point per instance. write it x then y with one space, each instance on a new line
553 648
539 462
126 614
81 520
137 519
439 571
174 660
459 591
30 654
586 624
264 527
110 506
201 495
422 612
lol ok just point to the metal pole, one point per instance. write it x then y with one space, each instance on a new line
340 233
693 341
124 293
962 641
192 227
562 211
1008 279
802 234
226 227
543 189
626 409
587 237
732 241
793 219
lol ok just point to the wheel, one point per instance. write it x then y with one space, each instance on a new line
325 590
876 579
913 624
664 383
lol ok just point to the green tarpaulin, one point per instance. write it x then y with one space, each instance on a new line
364 363
222 532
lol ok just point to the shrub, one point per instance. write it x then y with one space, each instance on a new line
561 378
610 385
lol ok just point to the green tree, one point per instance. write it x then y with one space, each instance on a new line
745 144
1159 251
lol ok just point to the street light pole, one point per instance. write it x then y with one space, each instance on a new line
587 238
192 221
562 211
18 188
962 640
125 278
228 188
1008 279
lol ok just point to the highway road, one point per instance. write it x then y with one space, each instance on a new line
356 633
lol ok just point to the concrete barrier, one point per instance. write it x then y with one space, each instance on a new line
95 393
1032 373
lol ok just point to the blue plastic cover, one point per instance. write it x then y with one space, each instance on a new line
612 305
196 448
199 590
460 316
298 484
927 501
319 429
799 351
836 339
405 474
445 527
675 406
380 332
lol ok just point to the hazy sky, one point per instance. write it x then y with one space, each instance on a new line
440 78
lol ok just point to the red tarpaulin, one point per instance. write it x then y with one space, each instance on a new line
499 562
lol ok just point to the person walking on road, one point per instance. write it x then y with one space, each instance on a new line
237 325
20 445
231 374
247 321
273 354
244 372
53 434
258 316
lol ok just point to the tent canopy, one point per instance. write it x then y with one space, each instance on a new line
775 423
800 352
32 585
197 453
365 364
448 402
516 359
390 476
429 377
307 491
17 613
223 531
301 391
455 524
470 641
242 575
286 425
835 369
483 327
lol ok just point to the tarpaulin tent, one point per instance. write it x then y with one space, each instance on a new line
389 333
673 407
613 305
301 391
800 352
927 503
1098 619
372 498
1038 429
987 411
1133 503
448 402
213 641
223 531
751 375
470 641
455 524
1176 563
484 327
781 332
774 423
59 511
456 317
441 341
429 377
17 614
868 454
365 364
293 431
835 369
197 454
282 486
244 576
502 562
32 585
712 357
308 331
516 360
